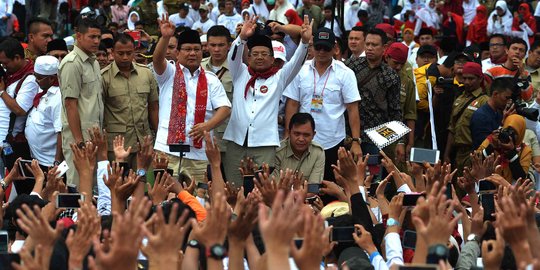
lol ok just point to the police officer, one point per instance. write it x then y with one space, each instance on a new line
130 98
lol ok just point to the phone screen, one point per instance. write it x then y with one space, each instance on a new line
202 185
410 199
313 188
209 172
248 185
4 240
421 155
68 200
409 239
486 185
125 168
25 171
374 160
373 189
343 234
7 258
488 203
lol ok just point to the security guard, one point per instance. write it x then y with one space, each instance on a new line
473 97
147 9
130 96
299 152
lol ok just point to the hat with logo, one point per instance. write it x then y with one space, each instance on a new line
279 50
324 37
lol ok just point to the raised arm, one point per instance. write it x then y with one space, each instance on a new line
291 68
167 31
236 51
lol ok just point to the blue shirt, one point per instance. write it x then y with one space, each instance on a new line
483 122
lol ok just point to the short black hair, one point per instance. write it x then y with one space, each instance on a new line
123 39
328 7
379 32
87 23
12 47
535 45
137 23
219 31
518 41
106 31
115 24
33 24
501 84
501 36
362 13
360 29
300 119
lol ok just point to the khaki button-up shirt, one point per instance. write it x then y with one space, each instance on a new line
224 75
460 127
311 163
126 102
407 94
80 78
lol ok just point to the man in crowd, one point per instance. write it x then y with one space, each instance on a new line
460 142
379 88
147 9
532 65
57 48
102 55
326 98
497 52
40 33
172 49
425 55
425 37
356 41
203 24
313 11
299 152
44 122
130 98
219 42
82 91
17 92
229 18
181 121
253 129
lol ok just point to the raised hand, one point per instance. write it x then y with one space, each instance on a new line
160 190
120 152
99 139
79 242
248 28
248 167
146 153
214 230
166 27
363 239
160 161
307 32
308 256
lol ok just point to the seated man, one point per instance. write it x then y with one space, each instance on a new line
299 152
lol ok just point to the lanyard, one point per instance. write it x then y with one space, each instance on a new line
315 81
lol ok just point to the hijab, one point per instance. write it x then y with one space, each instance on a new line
278 13
469 10
260 9
131 25
293 17
478 26
429 15
507 14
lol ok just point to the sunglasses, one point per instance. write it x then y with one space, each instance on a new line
322 47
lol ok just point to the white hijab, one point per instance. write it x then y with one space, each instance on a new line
469 10
260 9
131 25
429 15
279 13
507 14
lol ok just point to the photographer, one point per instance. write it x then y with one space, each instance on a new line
507 143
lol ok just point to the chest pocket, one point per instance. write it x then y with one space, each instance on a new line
332 94
90 83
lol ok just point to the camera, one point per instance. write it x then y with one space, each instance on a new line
505 134
442 81
519 105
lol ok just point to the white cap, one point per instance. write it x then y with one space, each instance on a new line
70 41
279 50
46 65
204 38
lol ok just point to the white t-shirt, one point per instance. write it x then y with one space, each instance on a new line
216 98
204 26
340 88
230 22
194 14
175 18
25 98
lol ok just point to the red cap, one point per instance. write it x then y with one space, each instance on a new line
398 52
388 29
473 68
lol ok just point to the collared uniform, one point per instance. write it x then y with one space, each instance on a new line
216 98
256 113
43 125
311 163
336 88
80 78
224 75
407 93
126 103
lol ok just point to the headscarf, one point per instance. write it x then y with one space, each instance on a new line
469 10
527 18
131 25
478 28
260 9
517 122
278 13
507 14
293 17
429 16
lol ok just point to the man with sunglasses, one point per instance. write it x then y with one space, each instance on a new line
325 88
44 122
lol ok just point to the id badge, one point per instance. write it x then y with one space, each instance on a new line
316 103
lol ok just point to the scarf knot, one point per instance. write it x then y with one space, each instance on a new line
255 75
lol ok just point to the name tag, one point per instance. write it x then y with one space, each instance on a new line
472 108
316 103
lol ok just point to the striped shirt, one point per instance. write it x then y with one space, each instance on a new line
503 72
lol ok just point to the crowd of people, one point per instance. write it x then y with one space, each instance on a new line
228 134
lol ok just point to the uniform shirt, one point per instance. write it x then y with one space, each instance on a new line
224 75
43 125
460 127
379 95
126 103
80 78
25 97
407 93
230 22
340 89
216 98
311 163
204 26
257 114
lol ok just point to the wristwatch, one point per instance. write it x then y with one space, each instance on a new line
217 252
436 253
141 172
473 237
193 243
359 140
392 222
3 184
2 92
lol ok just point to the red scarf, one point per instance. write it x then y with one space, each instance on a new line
27 69
177 120
255 75
38 96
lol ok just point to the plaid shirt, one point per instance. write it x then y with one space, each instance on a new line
379 95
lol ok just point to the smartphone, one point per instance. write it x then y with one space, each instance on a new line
448 191
410 199
488 203
311 200
24 186
486 185
209 172
257 174
373 189
125 168
202 185
419 267
409 239
7 258
342 234
248 185
4 241
68 200
62 168
176 148
162 171
26 173
421 155
298 242
313 188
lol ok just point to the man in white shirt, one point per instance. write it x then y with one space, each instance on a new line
229 18
258 87
16 93
181 121
181 18
356 41
325 88
194 10
44 122
204 23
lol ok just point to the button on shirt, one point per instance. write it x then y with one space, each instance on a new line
311 163
25 97
43 125
216 98
340 88
257 114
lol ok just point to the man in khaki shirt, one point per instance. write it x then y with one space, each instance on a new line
299 152
80 85
131 98
532 64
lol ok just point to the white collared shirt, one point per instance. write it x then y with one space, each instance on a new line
216 98
43 125
25 98
257 114
487 64
341 89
